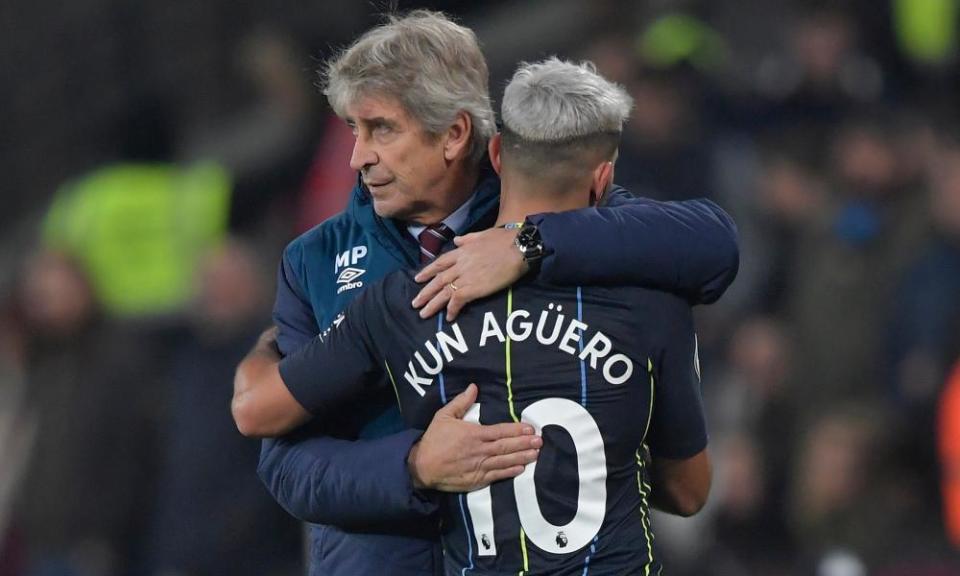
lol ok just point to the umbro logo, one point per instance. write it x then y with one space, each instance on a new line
348 279
349 275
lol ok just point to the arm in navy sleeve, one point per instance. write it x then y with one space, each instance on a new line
292 313
688 248
338 366
680 469
317 478
341 482
678 429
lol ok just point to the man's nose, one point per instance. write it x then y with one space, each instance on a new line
363 155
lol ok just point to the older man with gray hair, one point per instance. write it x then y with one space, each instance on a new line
414 92
594 385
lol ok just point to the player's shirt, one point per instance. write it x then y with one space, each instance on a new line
599 372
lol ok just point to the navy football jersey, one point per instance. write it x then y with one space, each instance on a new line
600 372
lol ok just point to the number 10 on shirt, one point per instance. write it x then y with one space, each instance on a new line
591 492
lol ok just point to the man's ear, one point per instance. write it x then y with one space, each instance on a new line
458 136
600 182
494 150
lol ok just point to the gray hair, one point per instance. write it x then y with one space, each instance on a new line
430 64
554 101
556 111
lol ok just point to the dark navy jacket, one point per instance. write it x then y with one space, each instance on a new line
367 517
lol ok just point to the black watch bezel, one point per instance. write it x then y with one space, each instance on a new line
530 244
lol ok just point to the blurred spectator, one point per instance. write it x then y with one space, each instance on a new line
924 331
138 230
663 153
925 334
791 196
824 74
847 268
839 494
747 396
749 534
90 479
212 514
750 418
751 397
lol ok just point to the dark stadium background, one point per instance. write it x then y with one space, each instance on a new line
156 157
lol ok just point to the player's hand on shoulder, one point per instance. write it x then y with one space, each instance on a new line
455 455
483 263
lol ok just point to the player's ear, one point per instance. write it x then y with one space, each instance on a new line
494 150
457 137
600 182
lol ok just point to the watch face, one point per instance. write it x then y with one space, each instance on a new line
528 235
525 236
528 240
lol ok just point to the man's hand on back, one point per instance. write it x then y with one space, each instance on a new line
458 456
483 263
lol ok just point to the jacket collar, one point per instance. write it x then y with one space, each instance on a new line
392 235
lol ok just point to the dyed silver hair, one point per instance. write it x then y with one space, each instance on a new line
430 64
556 101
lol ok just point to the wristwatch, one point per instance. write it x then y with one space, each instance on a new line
530 244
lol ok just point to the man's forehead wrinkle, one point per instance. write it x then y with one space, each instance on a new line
373 114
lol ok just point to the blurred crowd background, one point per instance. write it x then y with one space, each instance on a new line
157 156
